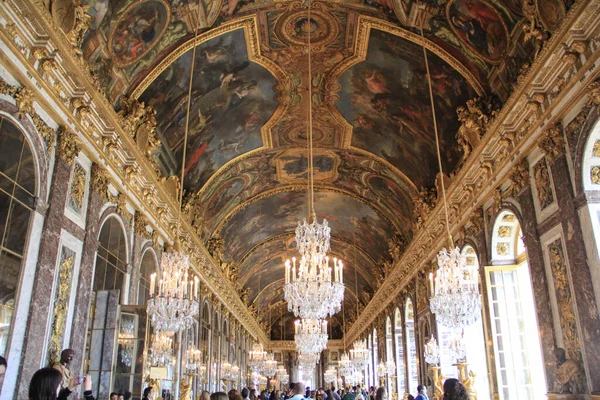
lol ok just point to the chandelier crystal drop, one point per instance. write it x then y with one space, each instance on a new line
311 335
174 305
161 350
456 300
313 239
360 354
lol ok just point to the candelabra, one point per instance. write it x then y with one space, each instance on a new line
257 357
432 357
270 365
311 335
173 307
193 358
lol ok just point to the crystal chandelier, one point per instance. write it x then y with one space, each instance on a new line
311 335
360 354
390 368
345 365
257 357
356 377
255 377
308 362
312 291
270 365
173 307
161 350
225 371
381 370
330 375
432 352
126 341
455 298
193 358
282 375
235 372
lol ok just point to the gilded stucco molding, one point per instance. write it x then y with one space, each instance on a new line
548 71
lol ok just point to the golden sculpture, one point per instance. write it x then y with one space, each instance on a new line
78 186
83 21
438 381
68 147
185 390
61 303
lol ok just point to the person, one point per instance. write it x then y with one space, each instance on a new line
380 395
245 393
127 395
410 397
219 396
147 395
263 395
121 396
298 391
205 395
275 395
114 396
372 393
454 390
252 395
351 395
3 367
64 366
45 384
290 393
232 394
422 390
359 396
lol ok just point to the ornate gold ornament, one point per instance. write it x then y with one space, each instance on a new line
502 248
552 142
83 21
100 181
543 184
139 225
504 231
61 304
568 323
595 174
78 186
519 177
475 117
68 146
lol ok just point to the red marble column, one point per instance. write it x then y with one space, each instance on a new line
33 347
537 271
581 279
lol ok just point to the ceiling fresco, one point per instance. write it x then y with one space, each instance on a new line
246 158
348 218
386 99
231 100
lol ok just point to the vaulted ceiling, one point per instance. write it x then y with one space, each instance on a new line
246 158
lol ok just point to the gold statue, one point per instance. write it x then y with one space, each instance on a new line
185 390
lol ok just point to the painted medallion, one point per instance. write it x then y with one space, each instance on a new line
138 30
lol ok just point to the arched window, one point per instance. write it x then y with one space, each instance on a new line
111 259
389 351
225 342
17 195
518 354
474 336
148 266
369 378
400 375
411 346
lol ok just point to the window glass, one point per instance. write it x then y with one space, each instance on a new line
148 266
111 264
17 187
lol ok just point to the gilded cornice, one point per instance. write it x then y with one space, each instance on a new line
489 165
28 28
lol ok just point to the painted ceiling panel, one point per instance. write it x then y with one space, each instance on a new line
386 99
232 98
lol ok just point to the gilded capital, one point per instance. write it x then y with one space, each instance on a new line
68 147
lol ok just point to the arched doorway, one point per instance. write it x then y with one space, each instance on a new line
400 361
411 346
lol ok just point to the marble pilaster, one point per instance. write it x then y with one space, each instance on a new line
586 310
538 275
33 347
86 278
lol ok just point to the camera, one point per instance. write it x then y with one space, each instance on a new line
80 379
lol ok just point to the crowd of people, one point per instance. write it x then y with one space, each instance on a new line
56 383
